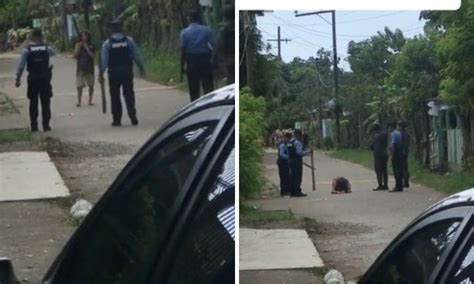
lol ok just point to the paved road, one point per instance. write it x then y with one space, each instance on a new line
32 233
360 224
154 103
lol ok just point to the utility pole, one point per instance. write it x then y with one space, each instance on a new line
279 40
336 70
248 51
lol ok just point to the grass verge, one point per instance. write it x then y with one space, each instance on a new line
448 183
15 135
162 66
253 216
6 105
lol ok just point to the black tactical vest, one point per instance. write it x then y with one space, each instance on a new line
120 57
292 155
38 61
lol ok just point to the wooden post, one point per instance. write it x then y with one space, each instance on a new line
313 179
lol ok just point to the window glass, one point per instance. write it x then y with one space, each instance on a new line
121 245
206 254
463 272
414 259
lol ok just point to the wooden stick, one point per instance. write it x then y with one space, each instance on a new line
313 169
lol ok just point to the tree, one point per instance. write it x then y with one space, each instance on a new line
415 77
454 47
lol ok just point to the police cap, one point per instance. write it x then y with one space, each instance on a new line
37 33
402 123
116 25
376 127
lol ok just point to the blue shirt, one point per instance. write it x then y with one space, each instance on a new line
24 58
299 148
283 151
197 39
136 56
396 140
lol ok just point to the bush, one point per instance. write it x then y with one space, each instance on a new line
161 65
328 143
252 127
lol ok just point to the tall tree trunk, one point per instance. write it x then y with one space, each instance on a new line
418 138
359 122
86 5
426 144
466 123
64 17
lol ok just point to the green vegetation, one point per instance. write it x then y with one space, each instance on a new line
6 105
162 66
392 76
15 135
252 125
250 216
446 183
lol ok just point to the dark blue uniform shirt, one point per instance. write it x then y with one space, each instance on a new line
197 39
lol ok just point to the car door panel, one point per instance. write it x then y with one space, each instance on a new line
414 245
217 117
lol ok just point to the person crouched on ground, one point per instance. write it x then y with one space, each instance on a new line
341 185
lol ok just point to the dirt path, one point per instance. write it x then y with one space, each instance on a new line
88 153
351 229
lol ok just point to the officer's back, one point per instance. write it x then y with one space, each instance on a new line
197 38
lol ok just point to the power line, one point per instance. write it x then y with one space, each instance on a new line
245 47
305 27
371 18
324 19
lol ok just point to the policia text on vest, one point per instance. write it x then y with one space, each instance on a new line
36 59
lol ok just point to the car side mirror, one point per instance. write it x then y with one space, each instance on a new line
7 275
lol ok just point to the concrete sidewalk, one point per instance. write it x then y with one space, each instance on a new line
277 249
357 226
15 167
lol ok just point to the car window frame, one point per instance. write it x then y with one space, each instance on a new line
219 114
461 213
160 273
466 236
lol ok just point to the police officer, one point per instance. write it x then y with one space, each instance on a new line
197 44
118 54
396 155
283 167
379 148
405 151
36 59
295 155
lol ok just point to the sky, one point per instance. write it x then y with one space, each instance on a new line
310 33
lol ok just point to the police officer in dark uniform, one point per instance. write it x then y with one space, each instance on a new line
295 155
118 54
36 59
405 151
396 154
379 147
197 46
283 167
